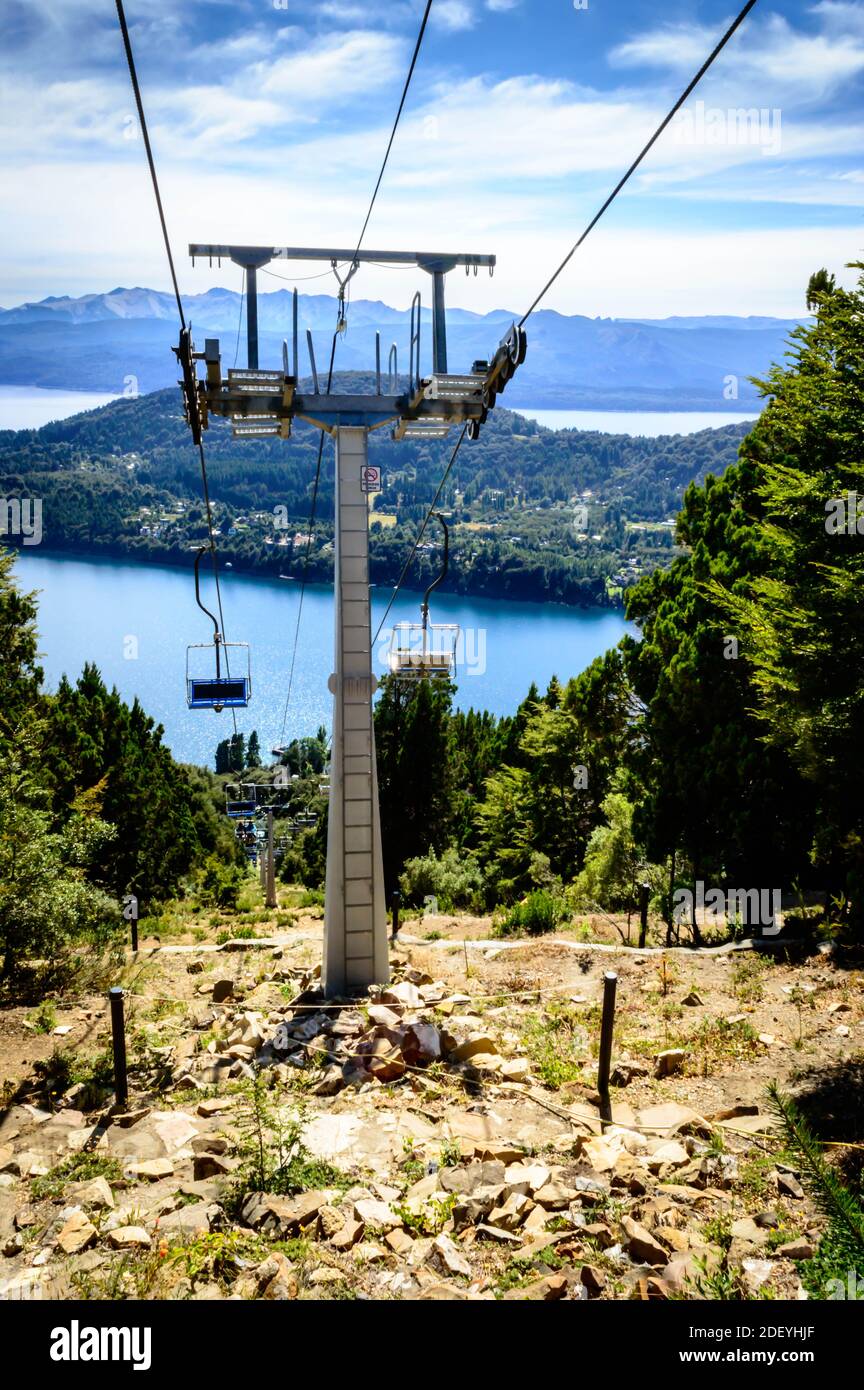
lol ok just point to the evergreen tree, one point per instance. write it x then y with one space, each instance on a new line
20 676
253 750
46 900
800 611
223 757
237 753
415 771
96 739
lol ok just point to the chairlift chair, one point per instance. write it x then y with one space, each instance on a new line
216 691
424 650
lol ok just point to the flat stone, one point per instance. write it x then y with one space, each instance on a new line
284 1215
516 1069
421 1043
216 1106
670 1152
129 1238
368 1252
527 1177
601 1154
209 1165
125 1119
473 1046
467 1178
348 1235
789 1186
800 1249
746 1230
377 1214
669 1062
756 1273
641 1245
510 1215
192 1220
325 1274
498 1233
545 1290
451 1256
555 1196
404 995
593 1280
379 1013
399 1241
151 1168
95 1193
671 1119
77 1234
750 1124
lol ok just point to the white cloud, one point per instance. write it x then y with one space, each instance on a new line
801 66
453 15
286 146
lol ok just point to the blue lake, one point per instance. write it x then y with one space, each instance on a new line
647 423
135 622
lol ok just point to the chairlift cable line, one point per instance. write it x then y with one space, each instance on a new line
550 282
308 549
639 158
295 279
142 119
421 532
415 55
130 59
240 317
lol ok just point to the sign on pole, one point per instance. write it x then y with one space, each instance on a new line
370 479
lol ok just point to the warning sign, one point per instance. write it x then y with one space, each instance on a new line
370 479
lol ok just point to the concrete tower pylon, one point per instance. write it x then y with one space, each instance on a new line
355 913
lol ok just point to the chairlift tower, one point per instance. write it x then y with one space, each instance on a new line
263 403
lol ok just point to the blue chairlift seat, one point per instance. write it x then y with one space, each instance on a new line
220 690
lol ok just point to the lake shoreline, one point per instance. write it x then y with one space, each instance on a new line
112 552
138 628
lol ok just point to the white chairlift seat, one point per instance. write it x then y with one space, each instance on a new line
423 653
446 386
260 427
426 427
223 687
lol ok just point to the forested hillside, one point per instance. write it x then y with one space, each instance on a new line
124 480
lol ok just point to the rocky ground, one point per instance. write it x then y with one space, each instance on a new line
440 1139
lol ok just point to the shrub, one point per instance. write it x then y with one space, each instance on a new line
455 882
538 913
47 902
219 883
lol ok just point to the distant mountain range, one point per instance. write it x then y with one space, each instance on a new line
97 342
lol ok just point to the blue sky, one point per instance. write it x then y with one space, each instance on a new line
269 121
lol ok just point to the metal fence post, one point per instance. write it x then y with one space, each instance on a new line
610 982
118 1037
644 895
